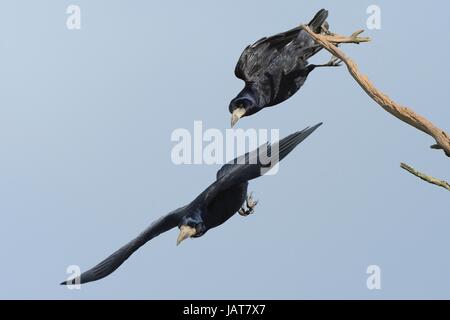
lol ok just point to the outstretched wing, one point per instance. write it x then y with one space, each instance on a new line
111 263
255 163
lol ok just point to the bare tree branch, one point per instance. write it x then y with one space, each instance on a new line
401 112
337 39
425 177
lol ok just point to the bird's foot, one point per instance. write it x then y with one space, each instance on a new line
334 62
250 204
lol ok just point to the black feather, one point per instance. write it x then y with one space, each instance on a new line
211 208
318 20
275 68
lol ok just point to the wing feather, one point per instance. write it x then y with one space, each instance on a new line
259 55
116 259
250 166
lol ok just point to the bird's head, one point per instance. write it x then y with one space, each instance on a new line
190 228
241 106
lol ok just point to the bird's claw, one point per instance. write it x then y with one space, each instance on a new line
243 212
334 62
250 204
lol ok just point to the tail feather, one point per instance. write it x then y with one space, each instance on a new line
319 19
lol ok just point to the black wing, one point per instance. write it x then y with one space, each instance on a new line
259 56
254 164
111 263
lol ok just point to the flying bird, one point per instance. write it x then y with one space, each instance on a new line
275 68
215 205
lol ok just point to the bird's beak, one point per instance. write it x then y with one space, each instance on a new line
185 232
237 114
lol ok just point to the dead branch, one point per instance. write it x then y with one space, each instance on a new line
401 112
425 177
337 39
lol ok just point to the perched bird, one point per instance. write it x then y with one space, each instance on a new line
275 68
215 205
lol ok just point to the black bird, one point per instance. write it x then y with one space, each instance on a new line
219 202
275 68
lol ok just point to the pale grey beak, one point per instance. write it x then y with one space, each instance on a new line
237 114
185 232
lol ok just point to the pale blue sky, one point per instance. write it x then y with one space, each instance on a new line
85 124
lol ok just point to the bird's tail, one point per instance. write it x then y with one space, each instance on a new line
318 21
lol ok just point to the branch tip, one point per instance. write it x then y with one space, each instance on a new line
425 177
